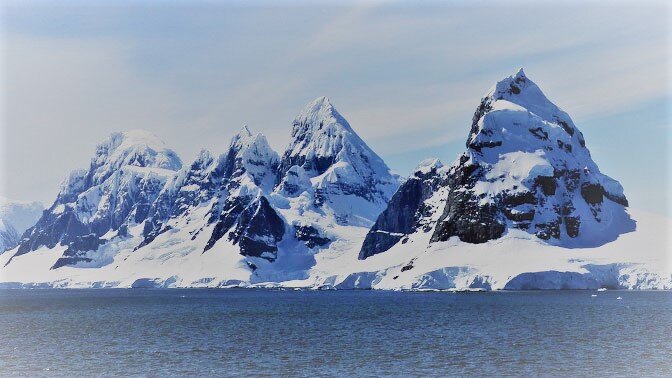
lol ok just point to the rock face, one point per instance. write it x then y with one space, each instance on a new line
526 168
249 167
117 190
258 231
228 186
406 211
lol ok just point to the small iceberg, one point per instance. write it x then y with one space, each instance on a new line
602 289
619 298
593 295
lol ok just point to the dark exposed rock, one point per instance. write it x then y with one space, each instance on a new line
319 198
466 219
514 89
548 230
258 230
68 261
592 193
150 231
548 185
402 213
519 216
227 217
488 144
484 107
565 126
518 199
564 146
571 178
76 251
53 229
572 225
539 133
621 200
310 236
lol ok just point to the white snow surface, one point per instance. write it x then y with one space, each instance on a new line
637 260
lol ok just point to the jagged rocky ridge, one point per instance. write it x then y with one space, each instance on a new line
136 191
526 167
327 212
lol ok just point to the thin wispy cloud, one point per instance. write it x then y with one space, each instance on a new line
407 77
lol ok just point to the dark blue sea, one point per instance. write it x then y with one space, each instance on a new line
337 333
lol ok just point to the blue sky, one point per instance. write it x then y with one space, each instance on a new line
407 76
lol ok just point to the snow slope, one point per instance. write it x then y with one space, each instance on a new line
636 260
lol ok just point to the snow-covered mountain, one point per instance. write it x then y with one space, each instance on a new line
116 192
15 218
245 216
343 171
524 206
526 167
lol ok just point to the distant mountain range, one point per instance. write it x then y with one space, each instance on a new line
15 218
524 207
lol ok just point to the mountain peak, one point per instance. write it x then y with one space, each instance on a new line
138 148
320 103
428 164
250 153
338 162
528 168
317 114
244 134
319 134
520 90
245 131
245 139
203 156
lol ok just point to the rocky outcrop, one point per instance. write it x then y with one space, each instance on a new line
310 236
405 210
258 230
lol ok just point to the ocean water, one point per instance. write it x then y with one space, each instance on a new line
336 333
